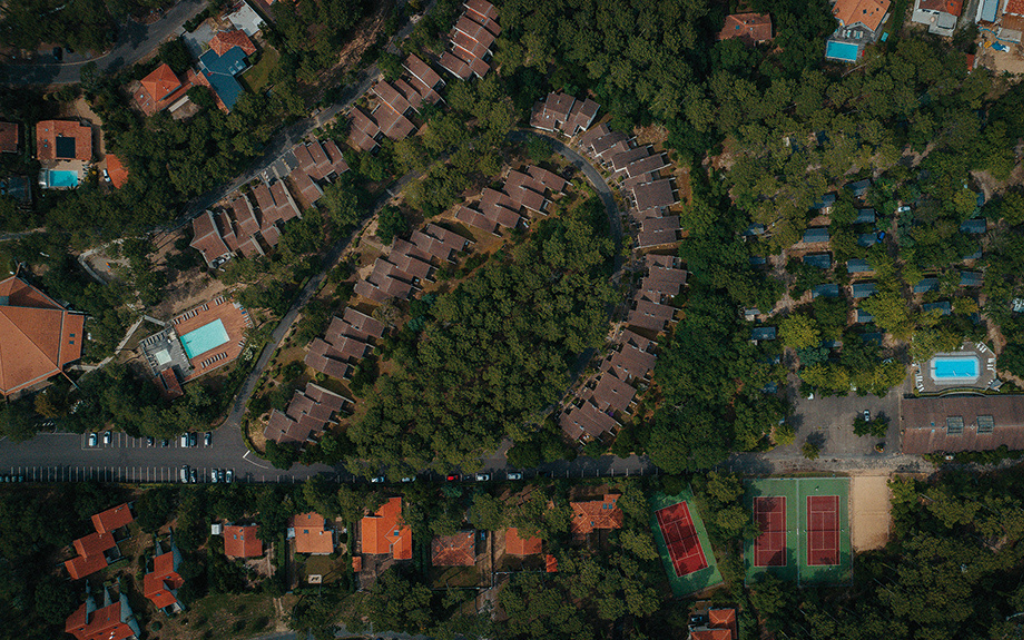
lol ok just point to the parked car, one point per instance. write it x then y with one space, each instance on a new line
106 176
184 473
213 475
515 475
453 477
165 443
207 439
106 437
377 479
184 440
220 475
193 440
193 477
229 475
92 439
409 479
150 441
867 416
483 477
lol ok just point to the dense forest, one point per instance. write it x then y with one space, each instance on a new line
495 351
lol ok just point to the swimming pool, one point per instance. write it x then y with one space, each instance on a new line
58 178
951 369
207 337
844 51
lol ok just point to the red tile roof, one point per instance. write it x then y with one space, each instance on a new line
550 563
310 534
161 83
159 583
866 12
10 137
422 72
102 624
37 336
90 555
112 519
752 27
242 542
721 625
116 169
458 550
1014 7
955 7
48 131
595 514
224 41
384 532
521 546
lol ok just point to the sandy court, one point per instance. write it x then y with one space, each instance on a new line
870 515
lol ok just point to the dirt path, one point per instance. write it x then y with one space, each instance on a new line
870 517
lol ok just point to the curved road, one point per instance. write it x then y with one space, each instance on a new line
134 42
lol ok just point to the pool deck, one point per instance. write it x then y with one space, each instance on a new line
236 321
924 384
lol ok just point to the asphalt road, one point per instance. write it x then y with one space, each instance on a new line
134 42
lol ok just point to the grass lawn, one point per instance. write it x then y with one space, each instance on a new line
221 616
257 77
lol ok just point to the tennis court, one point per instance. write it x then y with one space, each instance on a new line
804 530
770 546
822 530
681 539
683 543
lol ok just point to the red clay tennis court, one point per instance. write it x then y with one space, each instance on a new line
822 530
770 546
681 539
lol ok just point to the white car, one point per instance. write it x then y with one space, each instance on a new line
93 439
377 479
515 475
483 477
213 475
184 473
106 437
184 440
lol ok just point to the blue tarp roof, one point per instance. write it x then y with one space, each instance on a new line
865 216
221 72
816 234
943 306
825 290
762 333
974 226
926 285
856 265
826 200
863 289
970 279
820 260
864 317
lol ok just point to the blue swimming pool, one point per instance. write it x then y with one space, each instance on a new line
845 51
58 178
955 368
207 337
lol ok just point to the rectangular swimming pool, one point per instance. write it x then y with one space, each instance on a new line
955 368
207 337
59 178
844 51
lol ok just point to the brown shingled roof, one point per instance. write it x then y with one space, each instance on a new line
48 132
10 137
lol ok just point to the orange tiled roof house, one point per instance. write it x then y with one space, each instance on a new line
98 549
384 533
161 584
115 620
38 337
594 515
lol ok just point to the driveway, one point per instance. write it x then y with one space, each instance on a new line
134 42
